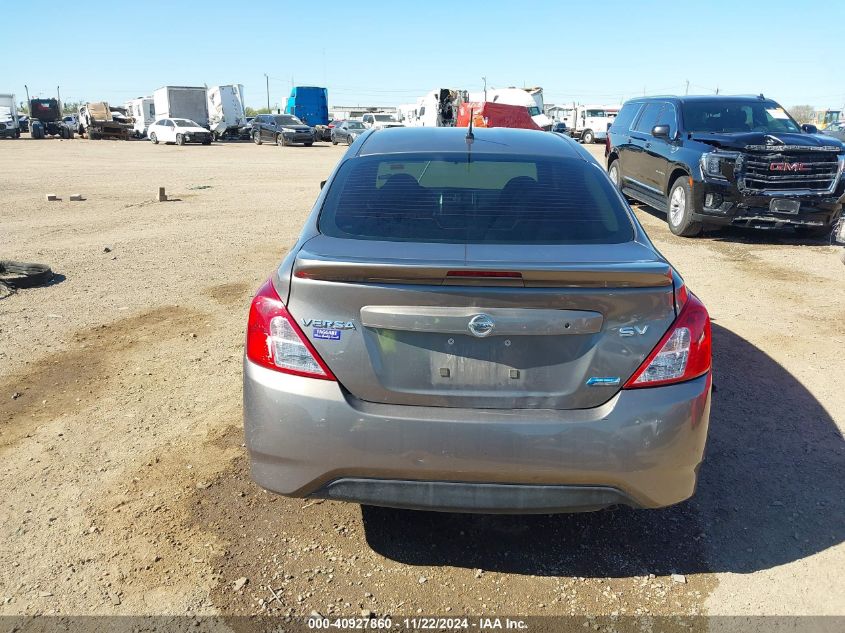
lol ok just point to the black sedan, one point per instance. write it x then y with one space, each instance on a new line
282 129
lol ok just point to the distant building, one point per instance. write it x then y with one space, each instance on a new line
356 112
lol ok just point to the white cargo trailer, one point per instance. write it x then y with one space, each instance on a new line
182 102
9 124
226 114
143 111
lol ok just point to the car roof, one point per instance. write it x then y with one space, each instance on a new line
498 140
694 98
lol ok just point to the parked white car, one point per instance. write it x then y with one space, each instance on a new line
179 131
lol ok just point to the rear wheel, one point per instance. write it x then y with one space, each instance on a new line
153 138
256 138
349 139
334 141
588 137
180 140
680 209
614 173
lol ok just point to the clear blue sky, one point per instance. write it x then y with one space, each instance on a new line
387 53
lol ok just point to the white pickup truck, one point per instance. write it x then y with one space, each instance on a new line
380 120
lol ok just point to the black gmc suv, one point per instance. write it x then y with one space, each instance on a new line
719 160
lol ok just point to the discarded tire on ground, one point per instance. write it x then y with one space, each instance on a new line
14 275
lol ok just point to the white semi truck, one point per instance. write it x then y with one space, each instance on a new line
588 123
437 108
226 116
143 111
182 102
9 125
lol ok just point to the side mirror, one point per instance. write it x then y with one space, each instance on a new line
660 131
810 129
322 184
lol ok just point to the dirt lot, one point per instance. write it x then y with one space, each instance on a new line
125 485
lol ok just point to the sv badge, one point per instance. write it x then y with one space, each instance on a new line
636 330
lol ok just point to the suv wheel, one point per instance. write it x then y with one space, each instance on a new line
334 140
256 138
588 137
614 173
280 140
680 208
349 139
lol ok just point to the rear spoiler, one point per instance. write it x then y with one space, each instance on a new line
593 275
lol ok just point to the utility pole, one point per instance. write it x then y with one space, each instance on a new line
484 79
717 89
267 81
59 99
686 92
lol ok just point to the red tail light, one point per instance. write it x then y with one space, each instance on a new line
682 354
274 341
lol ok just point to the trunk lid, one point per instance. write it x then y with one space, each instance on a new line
481 326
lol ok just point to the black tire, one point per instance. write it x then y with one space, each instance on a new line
23 274
679 218
588 138
70 134
614 172
334 142
280 140
180 140
309 144
256 138
154 138
17 133
349 139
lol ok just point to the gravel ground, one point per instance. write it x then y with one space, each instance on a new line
126 488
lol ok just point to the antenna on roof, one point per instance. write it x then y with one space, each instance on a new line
470 135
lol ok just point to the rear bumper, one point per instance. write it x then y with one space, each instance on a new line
309 438
730 206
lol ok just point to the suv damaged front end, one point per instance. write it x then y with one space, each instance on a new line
771 186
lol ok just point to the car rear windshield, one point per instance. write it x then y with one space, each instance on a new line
455 198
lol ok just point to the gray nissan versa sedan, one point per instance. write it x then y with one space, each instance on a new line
479 325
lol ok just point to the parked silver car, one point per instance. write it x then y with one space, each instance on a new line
347 132
476 324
